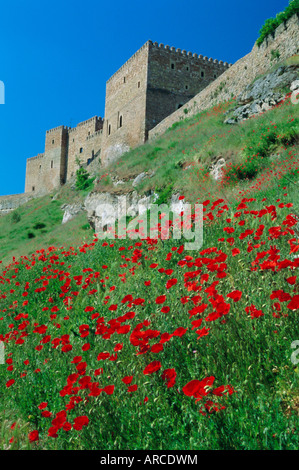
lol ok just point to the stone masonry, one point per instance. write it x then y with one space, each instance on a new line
151 91
233 81
150 86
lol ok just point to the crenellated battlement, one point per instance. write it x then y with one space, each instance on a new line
95 134
97 121
177 52
55 129
130 60
39 156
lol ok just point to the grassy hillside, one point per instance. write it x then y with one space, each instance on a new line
182 157
38 224
142 344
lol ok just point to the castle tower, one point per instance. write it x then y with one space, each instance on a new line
152 84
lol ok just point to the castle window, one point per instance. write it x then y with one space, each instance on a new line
81 149
186 87
73 140
172 66
52 163
187 68
138 84
202 74
109 129
88 133
215 76
53 141
178 106
120 121
33 188
40 167
124 79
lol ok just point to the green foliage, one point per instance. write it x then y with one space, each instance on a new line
15 217
251 354
30 235
272 23
275 54
39 226
165 194
83 181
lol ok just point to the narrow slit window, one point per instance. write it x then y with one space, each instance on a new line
52 163
120 121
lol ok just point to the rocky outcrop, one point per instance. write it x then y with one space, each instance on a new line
284 41
264 93
103 209
70 211
216 168
10 203
142 176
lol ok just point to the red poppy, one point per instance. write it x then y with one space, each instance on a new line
33 436
152 367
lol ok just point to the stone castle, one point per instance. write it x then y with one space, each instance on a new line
156 81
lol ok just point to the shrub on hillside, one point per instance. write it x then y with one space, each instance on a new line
39 226
15 217
83 180
272 23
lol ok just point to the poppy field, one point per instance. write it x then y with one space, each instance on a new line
132 344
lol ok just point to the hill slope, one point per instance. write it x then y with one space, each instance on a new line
143 344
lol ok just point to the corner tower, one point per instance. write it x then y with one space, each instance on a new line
150 86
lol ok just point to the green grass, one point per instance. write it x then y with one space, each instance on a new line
252 355
39 224
44 299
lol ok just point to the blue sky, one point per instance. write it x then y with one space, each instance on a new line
56 57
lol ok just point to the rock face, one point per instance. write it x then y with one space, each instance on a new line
103 209
10 203
114 152
142 176
216 168
70 211
264 93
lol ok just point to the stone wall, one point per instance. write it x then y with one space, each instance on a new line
154 82
84 141
51 169
174 77
33 173
125 106
233 81
10 203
